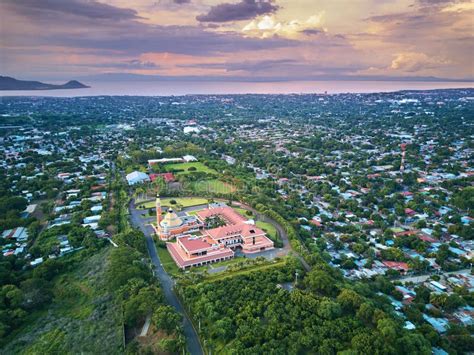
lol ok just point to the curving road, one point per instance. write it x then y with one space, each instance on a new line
282 233
192 340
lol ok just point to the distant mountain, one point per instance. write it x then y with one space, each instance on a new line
123 77
8 83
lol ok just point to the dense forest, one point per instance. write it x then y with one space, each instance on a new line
255 314
261 313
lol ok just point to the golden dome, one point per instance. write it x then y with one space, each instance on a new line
171 220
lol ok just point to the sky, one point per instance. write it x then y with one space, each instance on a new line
247 40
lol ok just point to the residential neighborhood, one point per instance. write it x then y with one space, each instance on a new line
341 199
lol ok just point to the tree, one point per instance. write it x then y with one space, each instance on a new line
170 345
124 264
141 303
320 282
37 292
349 300
166 318
328 309
414 343
453 302
364 343
365 313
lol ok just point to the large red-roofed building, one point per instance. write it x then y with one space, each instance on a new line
216 244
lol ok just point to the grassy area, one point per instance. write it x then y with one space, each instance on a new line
212 186
250 269
167 261
192 213
243 212
269 228
184 202
183 168
81 318
229 262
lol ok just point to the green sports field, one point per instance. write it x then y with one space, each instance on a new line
212 186
183 168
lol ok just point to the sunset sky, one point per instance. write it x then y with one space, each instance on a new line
237 40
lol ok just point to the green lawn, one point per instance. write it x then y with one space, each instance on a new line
167 261
212 186
243 212
267 227
183 201
182 168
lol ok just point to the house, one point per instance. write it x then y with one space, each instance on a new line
20 234
458 252
30 209
36 262
440 324
397 265
408 295
188 130
438 287
97 208
91 219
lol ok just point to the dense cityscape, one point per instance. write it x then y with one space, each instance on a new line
238 224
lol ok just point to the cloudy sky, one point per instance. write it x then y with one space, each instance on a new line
237 39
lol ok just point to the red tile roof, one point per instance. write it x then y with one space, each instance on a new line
397 265
182 260
404 233
227 213
168 177
242 229
316 223
426 238
194 244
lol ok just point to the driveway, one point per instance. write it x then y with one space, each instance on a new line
167 283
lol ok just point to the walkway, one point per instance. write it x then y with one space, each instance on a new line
167 283
146 326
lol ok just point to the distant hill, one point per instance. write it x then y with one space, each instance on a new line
8 83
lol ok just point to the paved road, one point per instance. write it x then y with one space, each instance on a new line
192 340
